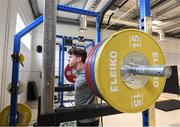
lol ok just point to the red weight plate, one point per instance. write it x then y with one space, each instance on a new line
92 71
69 75
88 73
87 70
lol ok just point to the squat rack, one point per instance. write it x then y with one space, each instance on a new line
16 51
144 13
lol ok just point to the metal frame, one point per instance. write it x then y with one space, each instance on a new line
16 51
84 12
15 68
67 87
144 15
77 10
77 38
61 63
65 114
104 10
62 74
145 12
59 70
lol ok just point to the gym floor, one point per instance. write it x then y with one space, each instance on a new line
164 119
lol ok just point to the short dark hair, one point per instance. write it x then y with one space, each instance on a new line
78 52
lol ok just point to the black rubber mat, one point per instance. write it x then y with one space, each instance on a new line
168 105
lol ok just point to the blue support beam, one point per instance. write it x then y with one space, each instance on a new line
15 67
145 118
77 10
62 74
145 8
144 12
90 44
98 31
74 38
24 31
77 38
59 71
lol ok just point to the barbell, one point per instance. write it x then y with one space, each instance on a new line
127 70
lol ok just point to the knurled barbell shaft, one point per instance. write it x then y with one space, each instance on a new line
161 71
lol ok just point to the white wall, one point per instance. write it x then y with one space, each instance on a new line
37 57
3 38
72 30
171 50
8 10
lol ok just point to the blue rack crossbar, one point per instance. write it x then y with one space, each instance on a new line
25 31
74 38
77 10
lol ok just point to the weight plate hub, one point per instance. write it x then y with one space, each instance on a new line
133 60
69 74
20 86
107 70
23 115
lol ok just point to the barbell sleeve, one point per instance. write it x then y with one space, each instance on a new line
156 70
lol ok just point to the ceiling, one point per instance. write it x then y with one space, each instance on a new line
123 13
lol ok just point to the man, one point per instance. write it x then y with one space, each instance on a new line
83 94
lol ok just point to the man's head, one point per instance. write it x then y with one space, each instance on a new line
76 56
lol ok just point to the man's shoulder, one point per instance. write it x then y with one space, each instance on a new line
81 77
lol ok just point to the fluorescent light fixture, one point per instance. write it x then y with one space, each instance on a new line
156 22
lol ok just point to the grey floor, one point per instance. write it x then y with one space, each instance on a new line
169 119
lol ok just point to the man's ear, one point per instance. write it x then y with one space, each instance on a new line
79 59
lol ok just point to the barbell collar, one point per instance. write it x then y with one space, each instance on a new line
156 70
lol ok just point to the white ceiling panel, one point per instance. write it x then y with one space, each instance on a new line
166 12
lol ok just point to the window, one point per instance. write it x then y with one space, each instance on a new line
26 40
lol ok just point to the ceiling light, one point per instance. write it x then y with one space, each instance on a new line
156 22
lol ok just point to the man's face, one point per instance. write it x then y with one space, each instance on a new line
73 61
